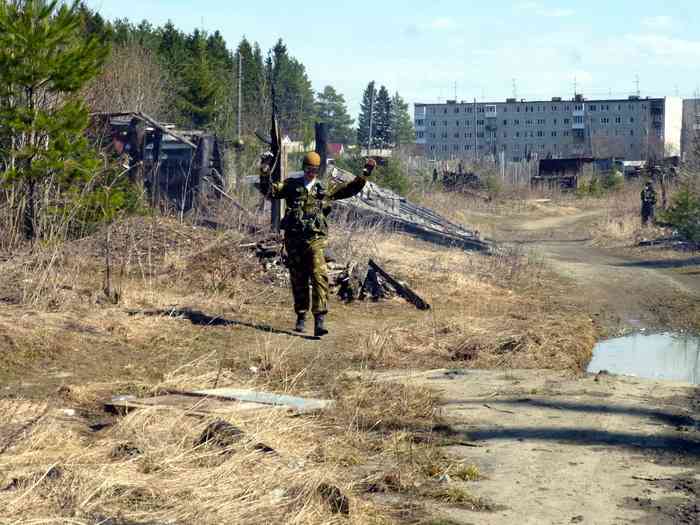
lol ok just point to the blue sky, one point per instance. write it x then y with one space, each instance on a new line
425 49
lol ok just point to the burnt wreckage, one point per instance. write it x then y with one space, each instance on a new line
179 166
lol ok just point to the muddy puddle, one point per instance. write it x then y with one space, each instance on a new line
666 356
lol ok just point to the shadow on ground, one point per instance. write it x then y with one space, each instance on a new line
692 261
201 319
665 417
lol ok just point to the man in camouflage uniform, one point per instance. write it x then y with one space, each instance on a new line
648 197
305 227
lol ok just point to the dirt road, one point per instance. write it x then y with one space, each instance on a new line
554 449
623 293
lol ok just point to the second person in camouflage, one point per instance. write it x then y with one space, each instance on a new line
305 225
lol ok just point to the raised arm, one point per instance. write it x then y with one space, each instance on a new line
271 190
352 188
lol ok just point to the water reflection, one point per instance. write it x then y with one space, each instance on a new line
667 356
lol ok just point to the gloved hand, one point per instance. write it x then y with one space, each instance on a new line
369 167
267 160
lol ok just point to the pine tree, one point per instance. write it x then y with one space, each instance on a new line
402 124
45 60
199 92
383 135
367 112
330 108
294 96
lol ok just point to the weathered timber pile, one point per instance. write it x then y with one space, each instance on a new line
377 204
350 281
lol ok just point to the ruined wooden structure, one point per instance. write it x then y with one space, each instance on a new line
175 166
380 205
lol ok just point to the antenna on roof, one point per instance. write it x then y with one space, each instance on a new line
636 82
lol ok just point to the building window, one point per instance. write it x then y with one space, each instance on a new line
593 107
618 120
631 120
516 122
444 135
455 147
479 122
456 135
578 120
467 135
456 110
632 132
567 133
554 108
419 122
528 122
578 107
604 120
540 133
420 134
480 135
469 109
457 123
567 121
432 123
505 135
505 122
541 121
444 122
555 122
445 111
554 133
432 147
517 134
467 147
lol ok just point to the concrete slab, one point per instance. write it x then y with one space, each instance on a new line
298 404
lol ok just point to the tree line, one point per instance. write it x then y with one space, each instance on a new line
61 61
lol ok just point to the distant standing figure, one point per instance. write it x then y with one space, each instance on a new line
435 175
648 197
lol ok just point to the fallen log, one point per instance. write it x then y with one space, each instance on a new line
401 289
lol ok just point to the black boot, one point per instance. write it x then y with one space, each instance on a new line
301 323
319 328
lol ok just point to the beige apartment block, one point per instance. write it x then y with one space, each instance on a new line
633 129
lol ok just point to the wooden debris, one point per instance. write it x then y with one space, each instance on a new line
374 286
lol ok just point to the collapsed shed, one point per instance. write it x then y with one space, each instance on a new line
377 204
178 166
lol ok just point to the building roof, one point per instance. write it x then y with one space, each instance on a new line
558 100
334 148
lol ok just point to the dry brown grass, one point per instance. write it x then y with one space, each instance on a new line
62 335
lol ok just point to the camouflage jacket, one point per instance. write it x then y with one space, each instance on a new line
307 210
648 196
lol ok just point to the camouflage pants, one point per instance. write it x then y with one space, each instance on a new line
307 268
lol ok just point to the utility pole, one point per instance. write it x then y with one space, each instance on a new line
240 92
476 140
371 119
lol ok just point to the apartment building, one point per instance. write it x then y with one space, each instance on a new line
634 128
690 137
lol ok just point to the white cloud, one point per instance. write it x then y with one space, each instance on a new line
442 23
557 12
542 10
657 22
675 50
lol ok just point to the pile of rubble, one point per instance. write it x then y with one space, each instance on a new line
377 204
350 281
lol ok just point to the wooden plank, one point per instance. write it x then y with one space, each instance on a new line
195 405
403 291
